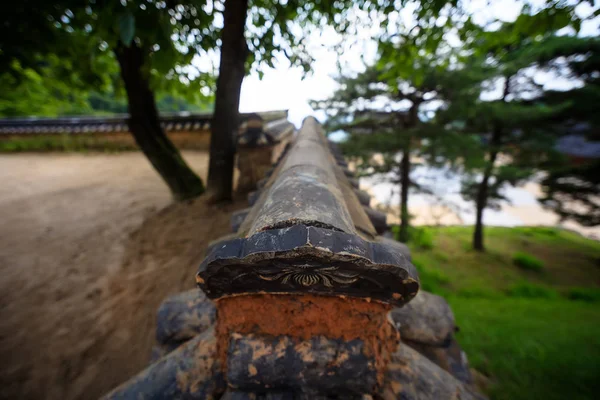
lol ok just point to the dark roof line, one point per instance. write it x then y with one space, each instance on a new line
115 123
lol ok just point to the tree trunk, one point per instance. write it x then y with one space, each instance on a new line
482 190
145 127
226 116
411 122
481 202
404 186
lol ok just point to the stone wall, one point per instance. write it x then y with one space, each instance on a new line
306 299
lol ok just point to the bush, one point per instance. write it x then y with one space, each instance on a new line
528 262
396 232
590 295
531 291
421 238
61 143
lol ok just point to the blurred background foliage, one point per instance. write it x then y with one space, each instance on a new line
446 91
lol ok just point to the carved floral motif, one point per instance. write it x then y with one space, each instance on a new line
309 275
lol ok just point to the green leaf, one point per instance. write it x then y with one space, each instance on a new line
127 28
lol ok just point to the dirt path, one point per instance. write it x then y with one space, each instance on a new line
89 246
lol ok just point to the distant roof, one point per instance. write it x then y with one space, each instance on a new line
115 123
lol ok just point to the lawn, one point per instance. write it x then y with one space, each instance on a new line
534 332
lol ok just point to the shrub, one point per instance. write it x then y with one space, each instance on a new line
532 291
528 262
421 238
396 232
590 295
61 143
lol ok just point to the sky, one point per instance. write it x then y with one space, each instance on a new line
283 87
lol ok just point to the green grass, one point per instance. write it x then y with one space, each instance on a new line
532 348
534 333
532 291
62 143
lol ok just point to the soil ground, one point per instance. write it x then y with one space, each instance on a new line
89 247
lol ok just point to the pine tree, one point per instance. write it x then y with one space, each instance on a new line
388 110
516 129
572 188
